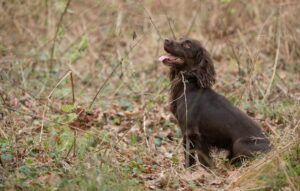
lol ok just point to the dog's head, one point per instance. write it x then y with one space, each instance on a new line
189 56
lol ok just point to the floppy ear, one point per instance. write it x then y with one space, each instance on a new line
199 58
204 69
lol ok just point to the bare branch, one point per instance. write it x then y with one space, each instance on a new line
56 33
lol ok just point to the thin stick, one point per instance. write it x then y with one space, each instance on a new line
70 149
42 127
48 101
185 99
2 97
39 117
145 131
112 72
291 184
187 140
274 73
56 32
72 86
275 63
78 38
144 119
193 21
73 146
155 27
2 133
168 19
46 14
58 83
105 82
74 149
4 103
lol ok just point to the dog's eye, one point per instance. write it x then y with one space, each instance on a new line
187 44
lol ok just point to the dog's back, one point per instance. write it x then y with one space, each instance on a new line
220 124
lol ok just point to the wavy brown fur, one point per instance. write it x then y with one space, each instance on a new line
205 75
207 119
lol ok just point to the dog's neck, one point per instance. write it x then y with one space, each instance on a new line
180 84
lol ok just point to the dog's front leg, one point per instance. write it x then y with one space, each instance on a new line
189 156
202 149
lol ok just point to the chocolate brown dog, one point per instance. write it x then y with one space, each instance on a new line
206 118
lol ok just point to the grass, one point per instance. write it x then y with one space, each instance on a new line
125 138
287 173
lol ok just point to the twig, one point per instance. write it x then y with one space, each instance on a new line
145 131
73 146
39 117
46 14
78 38
105 82
69 25
155 27
263 25
283 168
276 61
3 134
58 83
42 126
193 21
70 149
72 86
38 100
185 99
272 129
56 32
49 98
2 97
168 19
112 72
1 131
187 143
241 72
144 120
74 149
256 167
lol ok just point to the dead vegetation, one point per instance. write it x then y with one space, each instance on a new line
53 135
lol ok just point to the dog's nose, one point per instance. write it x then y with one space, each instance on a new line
168 41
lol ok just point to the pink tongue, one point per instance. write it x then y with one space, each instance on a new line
162 58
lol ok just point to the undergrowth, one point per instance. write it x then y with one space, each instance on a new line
84 102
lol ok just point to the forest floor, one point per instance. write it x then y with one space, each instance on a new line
84 101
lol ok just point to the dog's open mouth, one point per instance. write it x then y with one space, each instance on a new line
171 60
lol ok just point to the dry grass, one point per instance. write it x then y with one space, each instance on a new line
127 139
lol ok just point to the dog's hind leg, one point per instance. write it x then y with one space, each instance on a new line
248 147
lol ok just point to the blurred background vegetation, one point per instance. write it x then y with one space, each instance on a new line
57 56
